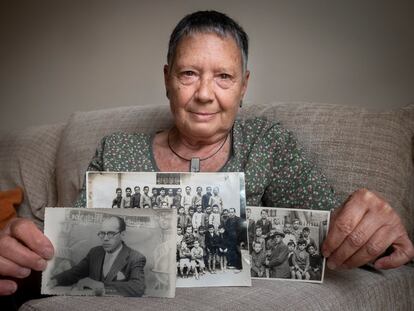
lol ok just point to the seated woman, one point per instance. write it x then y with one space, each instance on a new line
206 78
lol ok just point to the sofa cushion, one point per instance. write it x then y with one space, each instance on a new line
353 147
27 160
347 290
356 148
85 130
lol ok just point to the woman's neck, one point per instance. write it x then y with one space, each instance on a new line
189 147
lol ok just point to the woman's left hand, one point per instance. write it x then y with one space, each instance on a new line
362 230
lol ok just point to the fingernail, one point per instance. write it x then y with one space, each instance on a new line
326 254
331 265
47 252
23 272
41 264
11 287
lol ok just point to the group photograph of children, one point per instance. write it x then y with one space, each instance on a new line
285 243
211 242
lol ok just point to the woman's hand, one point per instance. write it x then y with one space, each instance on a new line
362 230
23 247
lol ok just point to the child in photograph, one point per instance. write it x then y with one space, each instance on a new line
201 237
189 237
258 260
179 236
264 223
211 247
207 213
315 263
191 212
301 261
288 234
259 237
185 256
182 219
222 248
291 248
198 218
214 218
197 259
306 236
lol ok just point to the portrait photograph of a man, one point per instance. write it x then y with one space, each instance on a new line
109 252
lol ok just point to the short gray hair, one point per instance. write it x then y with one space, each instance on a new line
209 22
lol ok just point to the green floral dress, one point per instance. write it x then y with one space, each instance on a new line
276 171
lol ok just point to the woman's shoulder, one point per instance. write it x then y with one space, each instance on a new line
121 137
260 127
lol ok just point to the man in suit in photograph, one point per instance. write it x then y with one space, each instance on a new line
112 268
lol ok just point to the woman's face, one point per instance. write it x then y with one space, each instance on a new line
205 85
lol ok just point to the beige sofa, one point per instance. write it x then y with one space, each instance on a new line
353 147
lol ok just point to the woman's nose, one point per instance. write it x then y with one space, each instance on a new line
205 92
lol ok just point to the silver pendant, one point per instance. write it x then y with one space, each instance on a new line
195 165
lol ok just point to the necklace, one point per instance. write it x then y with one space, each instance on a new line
195 161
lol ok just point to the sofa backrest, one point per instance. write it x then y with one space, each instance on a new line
353 147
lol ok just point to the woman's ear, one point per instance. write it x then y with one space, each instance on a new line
166 79
245 83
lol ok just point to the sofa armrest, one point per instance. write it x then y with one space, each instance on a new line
27 159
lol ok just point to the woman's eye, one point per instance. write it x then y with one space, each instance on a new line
224 76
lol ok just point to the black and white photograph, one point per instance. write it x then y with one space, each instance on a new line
285 243
111 252
211 238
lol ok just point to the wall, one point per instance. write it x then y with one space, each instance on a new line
57 57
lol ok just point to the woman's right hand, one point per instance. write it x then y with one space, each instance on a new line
23 247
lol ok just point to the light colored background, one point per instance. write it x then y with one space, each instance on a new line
57 57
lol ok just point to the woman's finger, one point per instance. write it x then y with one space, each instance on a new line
7 287
28 234
19 254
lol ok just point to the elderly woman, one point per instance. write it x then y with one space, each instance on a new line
206 78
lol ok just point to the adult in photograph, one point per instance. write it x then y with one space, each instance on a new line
154 197
118 199
136 198
111 268
251 228
187 197
170 198
236 237
206 78
205 200
197 198
216 199
145 198
127 200
278 259
177 202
